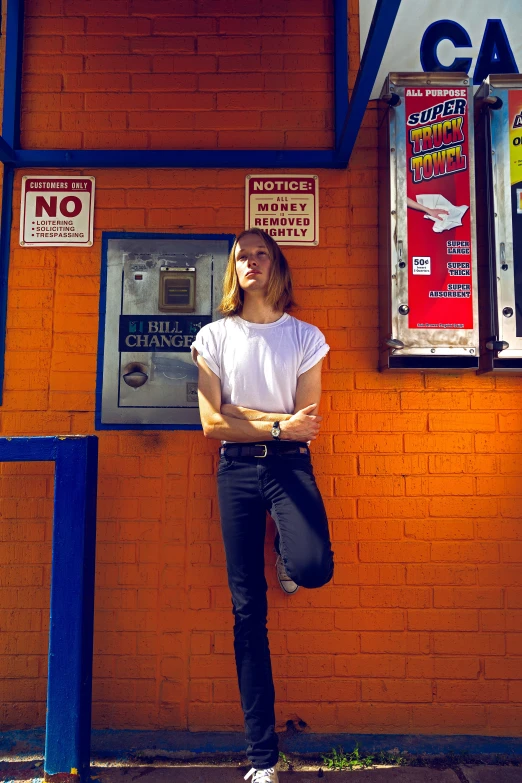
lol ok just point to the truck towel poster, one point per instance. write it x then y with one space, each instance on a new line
438 214
515 160
286 206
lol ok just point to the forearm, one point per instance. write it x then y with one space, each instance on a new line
249 414
223 427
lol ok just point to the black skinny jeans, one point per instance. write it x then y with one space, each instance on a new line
248 487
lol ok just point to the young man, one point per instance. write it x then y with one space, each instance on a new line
259 390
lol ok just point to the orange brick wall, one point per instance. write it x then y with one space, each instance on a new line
421 629
176 75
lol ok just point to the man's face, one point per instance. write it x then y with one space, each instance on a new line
252 263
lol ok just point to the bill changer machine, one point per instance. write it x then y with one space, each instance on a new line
427 266
498 117
159 292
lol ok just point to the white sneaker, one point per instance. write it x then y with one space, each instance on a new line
263 775
288 586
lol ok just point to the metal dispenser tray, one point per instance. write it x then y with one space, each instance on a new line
498 117
160 292
427 263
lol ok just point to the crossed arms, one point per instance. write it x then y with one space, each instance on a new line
244 425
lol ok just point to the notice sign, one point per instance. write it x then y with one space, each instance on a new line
57 211
438 208
286 206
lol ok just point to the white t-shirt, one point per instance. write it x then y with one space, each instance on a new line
259 364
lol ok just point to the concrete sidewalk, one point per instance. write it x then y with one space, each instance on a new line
29 772
462 774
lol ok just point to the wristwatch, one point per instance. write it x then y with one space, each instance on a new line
276 430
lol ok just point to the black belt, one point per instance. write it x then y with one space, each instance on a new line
263 449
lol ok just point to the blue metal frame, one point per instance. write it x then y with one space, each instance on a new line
378 36
347 116
69 687
106 236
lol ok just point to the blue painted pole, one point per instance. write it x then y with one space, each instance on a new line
68 725
5 249
6 152
193 159
340 66
14 36
378 36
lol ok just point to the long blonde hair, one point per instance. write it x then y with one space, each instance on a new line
280 292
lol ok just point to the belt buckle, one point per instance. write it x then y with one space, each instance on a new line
260 456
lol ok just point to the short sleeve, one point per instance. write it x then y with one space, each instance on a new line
315 348
207 345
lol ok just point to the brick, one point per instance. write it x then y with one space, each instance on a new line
434 400
401 465
462 422
370 620
369 666
462 463
442 717
479 692
505 717
368 486
367 443
338 642
514 598
431 667
229 82
374 530
488 444
52 64
83 82
403 690
463 507
405 552
430 443
511 552
392 507
442 620
438 485
403 597
465 552
394 642
504 668
130 26
467 597
432 529
391 422
334 689
366 716
366 401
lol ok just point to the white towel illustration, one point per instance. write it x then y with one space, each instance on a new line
437 201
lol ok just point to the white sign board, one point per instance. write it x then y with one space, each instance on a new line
57 211
286 206
478 37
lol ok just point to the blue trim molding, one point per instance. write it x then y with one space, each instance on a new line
126 744
69 685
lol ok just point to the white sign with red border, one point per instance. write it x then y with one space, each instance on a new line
286 206
57 211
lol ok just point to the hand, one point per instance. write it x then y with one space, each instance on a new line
303 425
438 214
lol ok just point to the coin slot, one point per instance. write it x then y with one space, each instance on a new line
177 290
